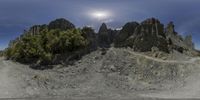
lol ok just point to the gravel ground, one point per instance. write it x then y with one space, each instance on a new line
119 74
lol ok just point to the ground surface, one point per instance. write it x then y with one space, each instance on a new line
119 74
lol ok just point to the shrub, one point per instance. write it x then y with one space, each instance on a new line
43 46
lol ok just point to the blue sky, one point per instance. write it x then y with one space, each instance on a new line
17 15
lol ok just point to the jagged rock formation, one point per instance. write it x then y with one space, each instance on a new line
127 30
142 37
177 42
188 41
36 29
62 24
147 36
151 34
105 36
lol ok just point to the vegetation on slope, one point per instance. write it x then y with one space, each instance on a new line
1 53
45 45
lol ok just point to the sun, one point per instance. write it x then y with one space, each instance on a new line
100 14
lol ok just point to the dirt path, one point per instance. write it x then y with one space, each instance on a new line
164 61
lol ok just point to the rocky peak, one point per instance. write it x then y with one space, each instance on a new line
105 36
127 30
170 29
151 21
188 41
145 36
103 28
151 26
129 27
36 29
62 24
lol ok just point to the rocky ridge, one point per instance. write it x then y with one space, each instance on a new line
143 37
148 36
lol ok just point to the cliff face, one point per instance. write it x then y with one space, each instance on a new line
61 23
177 42
127 30
105 36
151 34
188 41
147 35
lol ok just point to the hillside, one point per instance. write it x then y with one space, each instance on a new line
120 73
141 60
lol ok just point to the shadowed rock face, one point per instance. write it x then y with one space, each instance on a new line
152 34
105 36
142 37
36 29
148 35
188 41
177 42
127 30
62 24
170 29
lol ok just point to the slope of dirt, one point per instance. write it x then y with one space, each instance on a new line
116 74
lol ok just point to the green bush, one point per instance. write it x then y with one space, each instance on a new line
43 46
1 53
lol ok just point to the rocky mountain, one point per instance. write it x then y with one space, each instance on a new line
151 34
105 36
127 30
148 36
61 23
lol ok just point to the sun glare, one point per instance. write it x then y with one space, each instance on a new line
100 14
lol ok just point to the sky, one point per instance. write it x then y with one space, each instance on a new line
18 15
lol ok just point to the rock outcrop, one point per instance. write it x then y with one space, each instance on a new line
127 30
177 42
145 36
151 34
188 41
62 24
36 29
105 36
142 37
